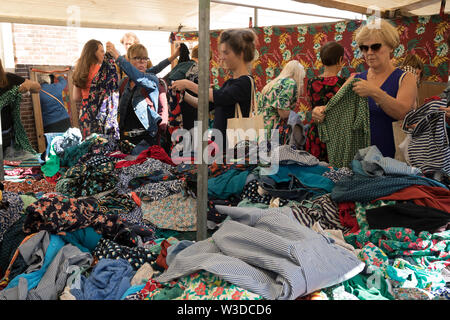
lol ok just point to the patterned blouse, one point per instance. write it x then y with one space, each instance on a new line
320 90
283 96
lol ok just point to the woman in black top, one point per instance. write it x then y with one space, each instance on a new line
237 51
7 82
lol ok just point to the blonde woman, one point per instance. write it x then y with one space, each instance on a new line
391 91
280 96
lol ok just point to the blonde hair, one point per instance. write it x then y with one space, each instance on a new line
129 35
293 70
136 50
381 28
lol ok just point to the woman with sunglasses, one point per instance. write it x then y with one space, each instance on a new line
391 91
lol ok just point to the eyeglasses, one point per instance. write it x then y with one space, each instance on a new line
375 47
141 59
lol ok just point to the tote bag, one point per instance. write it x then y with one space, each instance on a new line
245 129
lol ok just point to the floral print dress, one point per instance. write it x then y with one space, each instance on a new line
283 96
320 91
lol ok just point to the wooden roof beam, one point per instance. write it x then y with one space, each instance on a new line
340 6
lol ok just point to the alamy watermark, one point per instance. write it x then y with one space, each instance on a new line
244 147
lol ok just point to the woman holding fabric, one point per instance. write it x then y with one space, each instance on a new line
321 89
279 97
139 120
7 82
237 51
391 92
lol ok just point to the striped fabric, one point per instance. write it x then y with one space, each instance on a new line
429 146
267 252
322 210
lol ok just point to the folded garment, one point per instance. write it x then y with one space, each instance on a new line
286 154
408 215
373 163
361 188
268 253
227 184
434 197
109 280
310 176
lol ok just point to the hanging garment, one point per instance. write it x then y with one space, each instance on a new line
429 147
268 253
346 127
409 215
381 130
98 112
13 97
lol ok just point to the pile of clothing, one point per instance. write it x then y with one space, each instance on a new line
111 225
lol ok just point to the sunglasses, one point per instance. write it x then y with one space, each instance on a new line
374 47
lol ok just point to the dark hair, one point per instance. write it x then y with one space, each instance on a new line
413 61
184 53
240 40
331 52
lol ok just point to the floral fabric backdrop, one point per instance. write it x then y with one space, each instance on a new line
423 35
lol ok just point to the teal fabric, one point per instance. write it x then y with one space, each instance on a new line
33 278
132 290
308 176
85 239
227 184
360 287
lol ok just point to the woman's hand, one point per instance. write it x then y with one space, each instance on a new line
111 49
180 85
364 89
447 111
318 114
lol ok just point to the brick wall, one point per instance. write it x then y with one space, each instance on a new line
38 45
45 45
26 108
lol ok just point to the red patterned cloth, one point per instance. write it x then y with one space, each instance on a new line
155 152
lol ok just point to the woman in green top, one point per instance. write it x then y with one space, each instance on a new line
279 97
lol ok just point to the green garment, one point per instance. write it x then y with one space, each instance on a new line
180 70
282 96
365 288
27 200
13 97
346 127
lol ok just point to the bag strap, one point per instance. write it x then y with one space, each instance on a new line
53 97
238 111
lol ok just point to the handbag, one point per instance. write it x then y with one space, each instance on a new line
245 129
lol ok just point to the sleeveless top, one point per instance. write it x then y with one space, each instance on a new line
381 132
